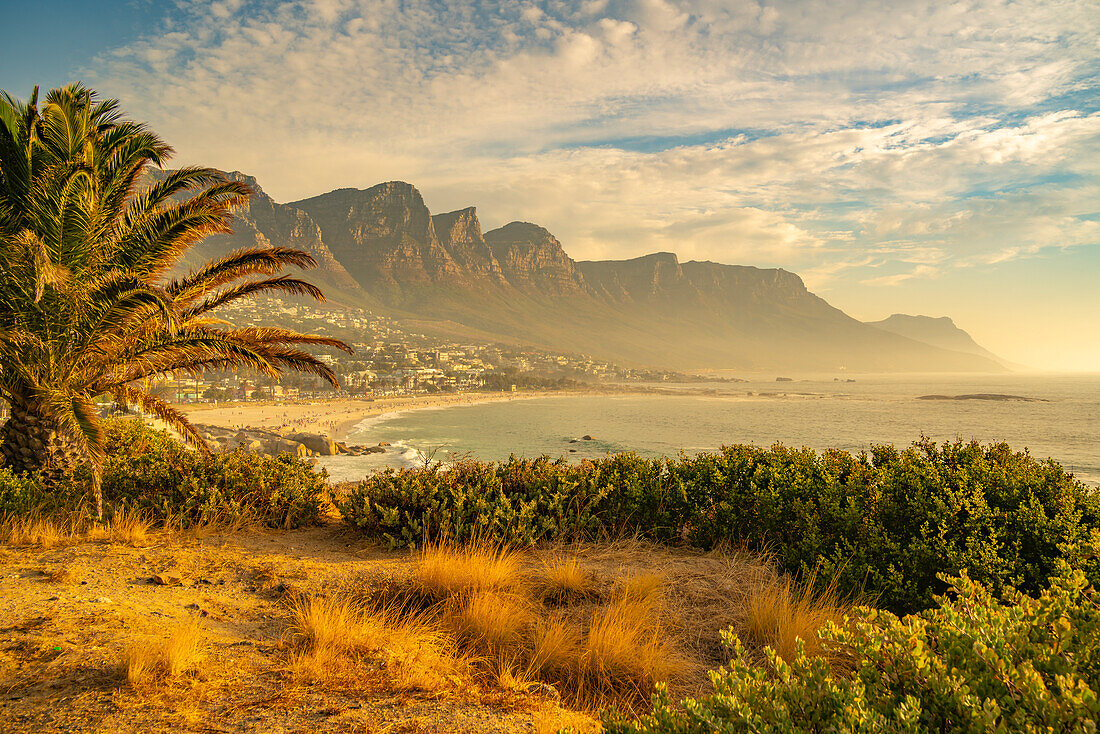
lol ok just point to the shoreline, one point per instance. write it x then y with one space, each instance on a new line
338 418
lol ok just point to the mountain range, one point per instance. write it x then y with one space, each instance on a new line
382 249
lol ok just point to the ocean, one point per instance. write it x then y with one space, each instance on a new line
1062 421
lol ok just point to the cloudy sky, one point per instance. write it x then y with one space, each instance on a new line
935 158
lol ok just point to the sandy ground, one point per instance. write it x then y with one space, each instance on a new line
61 641
70 612
335 418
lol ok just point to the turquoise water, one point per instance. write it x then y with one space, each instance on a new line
819 414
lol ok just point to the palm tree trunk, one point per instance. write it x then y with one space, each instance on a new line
30 442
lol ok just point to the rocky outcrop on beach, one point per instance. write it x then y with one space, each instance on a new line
273 443
992 396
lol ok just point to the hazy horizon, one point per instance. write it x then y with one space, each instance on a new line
941 162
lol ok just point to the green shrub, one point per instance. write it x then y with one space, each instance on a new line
520 502
19 493
151 471
884 524
970 665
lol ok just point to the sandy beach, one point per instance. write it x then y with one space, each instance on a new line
334 418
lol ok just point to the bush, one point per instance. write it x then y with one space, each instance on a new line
19 493
150 471
970 665
883 524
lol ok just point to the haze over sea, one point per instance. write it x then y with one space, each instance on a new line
1063 423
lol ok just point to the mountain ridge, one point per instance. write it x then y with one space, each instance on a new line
382 248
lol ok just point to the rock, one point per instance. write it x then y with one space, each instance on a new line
383 444
586 437
170 577
318 444
543 690
103 600
984 396
276 446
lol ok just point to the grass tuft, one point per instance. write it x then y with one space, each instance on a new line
32 529
443 570
332 635
157 659
624 651
490 621
556 645
564 580
781 612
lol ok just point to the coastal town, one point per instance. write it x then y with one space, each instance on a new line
391 361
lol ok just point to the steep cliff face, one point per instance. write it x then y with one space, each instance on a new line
383 235
262 222
641 279
533 261
460 234
269 223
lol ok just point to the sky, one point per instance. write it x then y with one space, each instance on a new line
902 157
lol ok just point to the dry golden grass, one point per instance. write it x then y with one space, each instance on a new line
780 612
624 652
130 527
551 721
33 529
156 659
563 579
602 626
555 648
331 636
127 526
643 587
490 622
443 570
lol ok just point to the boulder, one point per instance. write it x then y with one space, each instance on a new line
318 444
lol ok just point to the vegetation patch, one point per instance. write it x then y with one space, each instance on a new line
884 523
970 664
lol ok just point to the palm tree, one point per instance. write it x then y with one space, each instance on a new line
89 305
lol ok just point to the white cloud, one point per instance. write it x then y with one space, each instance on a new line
856 142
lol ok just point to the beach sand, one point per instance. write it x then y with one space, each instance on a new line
334 418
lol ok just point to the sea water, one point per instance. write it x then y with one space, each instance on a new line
1062 421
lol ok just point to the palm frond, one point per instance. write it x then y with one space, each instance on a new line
130 395
239 264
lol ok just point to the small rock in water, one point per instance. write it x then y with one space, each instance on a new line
587 437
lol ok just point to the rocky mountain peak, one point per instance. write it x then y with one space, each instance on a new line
384 235
532 259
460 234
